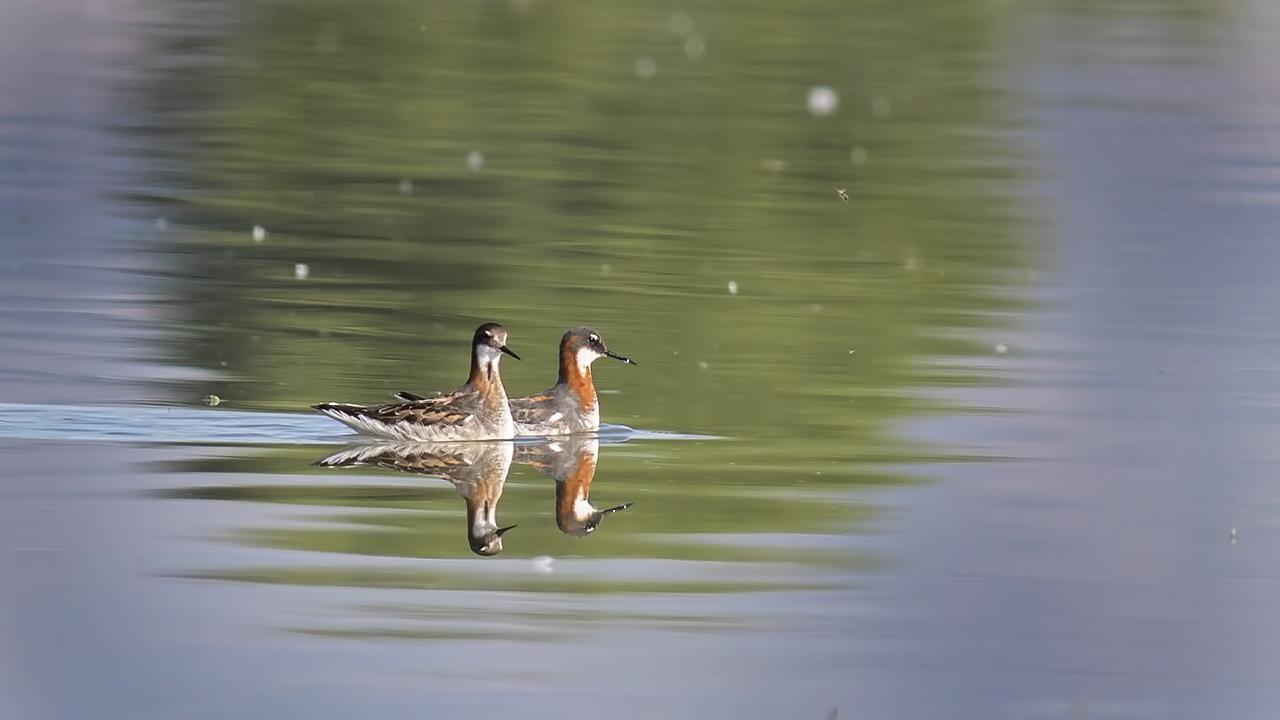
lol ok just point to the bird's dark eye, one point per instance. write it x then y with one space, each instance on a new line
595 339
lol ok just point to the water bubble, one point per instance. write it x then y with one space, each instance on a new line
301 271
406 186
646 68
694 47
823 101
475 159
680 24
733 287
703 364
259 233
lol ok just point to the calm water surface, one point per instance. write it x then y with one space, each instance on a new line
991 438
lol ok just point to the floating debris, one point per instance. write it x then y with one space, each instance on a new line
823 101
212 400
301 271
1001 348
259 233
694 47
733 287
646 68
543 563
844 194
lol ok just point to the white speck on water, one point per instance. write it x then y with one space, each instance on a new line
680 24
406 186
605 269
543 563
1233 536
475 159
880 107
694 47
1001 348
733 287
823 100
301 271
259 233
703 364
646 68
858 155
162 224
774 165
817 308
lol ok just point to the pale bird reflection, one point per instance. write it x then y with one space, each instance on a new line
477 470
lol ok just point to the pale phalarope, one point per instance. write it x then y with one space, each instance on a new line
476 411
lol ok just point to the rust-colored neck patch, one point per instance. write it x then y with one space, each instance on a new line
577 377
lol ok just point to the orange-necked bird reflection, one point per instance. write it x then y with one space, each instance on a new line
477 470
571 460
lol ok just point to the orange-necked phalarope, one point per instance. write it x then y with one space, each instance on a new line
572 462
571 405
476 411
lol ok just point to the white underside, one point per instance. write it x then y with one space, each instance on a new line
558 424
467 430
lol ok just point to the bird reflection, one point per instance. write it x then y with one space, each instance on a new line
477 470
572 462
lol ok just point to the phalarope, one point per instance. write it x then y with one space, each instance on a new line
477 470
476 411
572 462
571 405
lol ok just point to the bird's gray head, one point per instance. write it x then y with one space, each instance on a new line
490 340
585 344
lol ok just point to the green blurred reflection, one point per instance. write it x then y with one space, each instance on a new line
653 170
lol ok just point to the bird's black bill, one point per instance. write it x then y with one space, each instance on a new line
500 531
510 352
623 506
616 356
